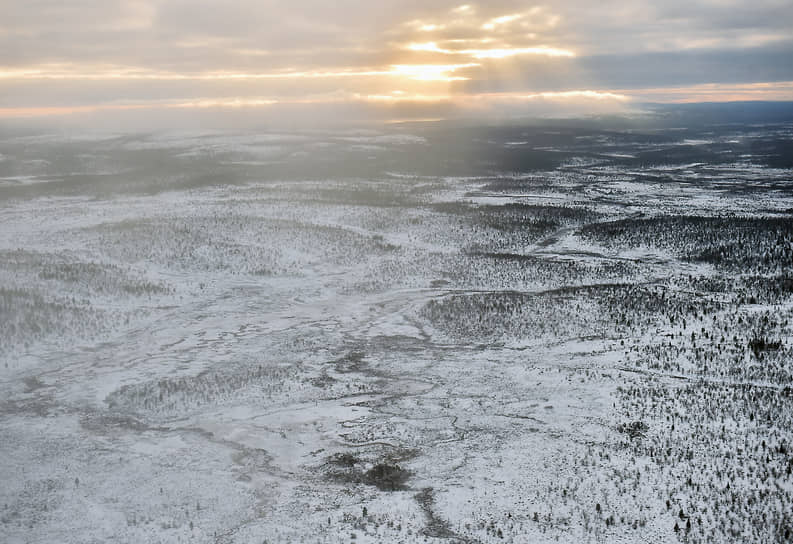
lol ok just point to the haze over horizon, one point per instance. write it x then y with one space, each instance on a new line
155 61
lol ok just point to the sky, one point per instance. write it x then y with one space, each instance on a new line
387 60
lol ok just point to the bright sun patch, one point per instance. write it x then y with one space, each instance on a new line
431 72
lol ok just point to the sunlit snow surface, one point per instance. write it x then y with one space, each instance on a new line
395 336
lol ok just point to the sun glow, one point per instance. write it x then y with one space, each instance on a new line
431 72
428 46
498 21
496 53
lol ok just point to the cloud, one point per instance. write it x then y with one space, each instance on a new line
98 54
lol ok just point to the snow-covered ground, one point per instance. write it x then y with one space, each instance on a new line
197 348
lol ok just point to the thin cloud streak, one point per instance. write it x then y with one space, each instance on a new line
497 53
255 102
774 91
420 72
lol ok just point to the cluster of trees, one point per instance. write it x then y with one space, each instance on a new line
732 242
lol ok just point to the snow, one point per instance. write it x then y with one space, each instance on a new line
192 363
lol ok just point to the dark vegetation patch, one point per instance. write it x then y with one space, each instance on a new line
351 362
776 153
761 344
436 527
37 501
586 310
69 272
742 289
505 228
386 477
733 242
634 429
107 423
728 345
485 269
534 184
104 279
233 243
177 394
510 215
32 383
253 459
677 154
506 256
765 289
385 474
515 216
28 316
324 380
344 459
710 284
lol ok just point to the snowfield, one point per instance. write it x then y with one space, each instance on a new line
372 337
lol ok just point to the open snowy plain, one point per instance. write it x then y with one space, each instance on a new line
413 334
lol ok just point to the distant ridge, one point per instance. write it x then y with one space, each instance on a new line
742 112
